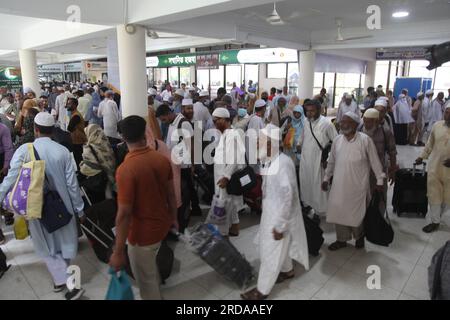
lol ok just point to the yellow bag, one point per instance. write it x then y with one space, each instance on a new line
26 197
289 139
20 228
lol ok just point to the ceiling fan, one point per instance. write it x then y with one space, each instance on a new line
275 19
340 37
155 36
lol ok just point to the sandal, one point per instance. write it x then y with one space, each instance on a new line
253 295
283 276
337 245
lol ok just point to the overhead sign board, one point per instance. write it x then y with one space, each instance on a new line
51 68
208 61
407 53
11 78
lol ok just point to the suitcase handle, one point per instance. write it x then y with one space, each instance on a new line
415 168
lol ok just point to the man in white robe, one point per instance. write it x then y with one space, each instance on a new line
229 157
312 170
403 119
437 109
347 105
426 116
281 235
352 156
385 119
437 151
60 108
201 111
57 249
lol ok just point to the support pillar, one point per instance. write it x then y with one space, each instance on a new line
28 66
307 62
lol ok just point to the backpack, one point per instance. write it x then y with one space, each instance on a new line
439 274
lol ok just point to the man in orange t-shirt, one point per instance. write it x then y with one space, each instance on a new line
146 208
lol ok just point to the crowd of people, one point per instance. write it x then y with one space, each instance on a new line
309 165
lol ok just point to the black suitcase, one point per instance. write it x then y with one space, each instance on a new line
3 266
100 220
410 191
205 180
220 254
314 236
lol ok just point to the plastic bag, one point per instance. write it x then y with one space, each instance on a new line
119 287
20 228
220 213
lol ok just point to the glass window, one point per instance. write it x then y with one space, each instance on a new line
203 79
185 76
173 77
276 71
216 81
329 85
418 68
381 73
442 83
252 73
346 83
293 78
160 76
234 74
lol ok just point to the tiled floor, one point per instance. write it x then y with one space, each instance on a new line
333 275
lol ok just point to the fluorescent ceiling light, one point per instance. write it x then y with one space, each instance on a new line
400 14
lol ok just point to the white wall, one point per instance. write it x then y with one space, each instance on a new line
264 83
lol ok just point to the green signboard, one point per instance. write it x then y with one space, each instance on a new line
265 55
11 78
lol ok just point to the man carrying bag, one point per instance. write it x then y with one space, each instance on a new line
60 246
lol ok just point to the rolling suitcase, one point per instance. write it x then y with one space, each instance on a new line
220 254
410 191
205 180
99 225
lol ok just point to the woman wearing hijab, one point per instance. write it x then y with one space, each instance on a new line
295 101
98 165
26 134
295 122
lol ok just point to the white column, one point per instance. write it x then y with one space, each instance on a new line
132 69
28 66
113 62
370 75
307 62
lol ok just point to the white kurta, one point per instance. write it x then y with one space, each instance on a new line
349 164
426 110
109 111
61 174
437 150
229 157
281 211
311 170
60 106
402 112
436 112
201 113
344 108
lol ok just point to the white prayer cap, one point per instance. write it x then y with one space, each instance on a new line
353 116
348 96
44 119
191 89
187 102
420 94
260 103
204 94
252 95
221 113
27 90
180 92
406 90
381 102
272 131
59 88
384 98
429 92
152 92
401 96
372 114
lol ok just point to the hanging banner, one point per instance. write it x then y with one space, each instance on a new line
208 61
177 60
411 53
11 78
